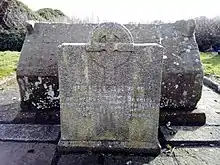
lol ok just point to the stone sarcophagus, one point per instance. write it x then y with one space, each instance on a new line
37 71
110 92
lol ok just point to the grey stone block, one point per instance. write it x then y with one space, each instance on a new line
9 112
108 146
187 135
39 93
182 118
9 103
197 155
29 133
108 159
78 159
211 84
13 153
210 105
182 67
110 90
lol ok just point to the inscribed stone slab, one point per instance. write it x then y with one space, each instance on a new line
110 90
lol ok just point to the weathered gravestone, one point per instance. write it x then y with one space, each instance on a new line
182 77
110 92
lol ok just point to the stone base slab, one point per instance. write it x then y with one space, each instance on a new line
17 153
192 136
29 133
109 146
182 118
211 84
41 117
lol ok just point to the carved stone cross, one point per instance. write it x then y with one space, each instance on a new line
108 41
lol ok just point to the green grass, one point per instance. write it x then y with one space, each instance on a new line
8 63
211 64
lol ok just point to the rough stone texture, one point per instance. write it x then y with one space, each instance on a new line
197 156
25 132
16 153
12 153
40 117
210 83
104 159
192 135
79 159
84 159
182 70
210 105
110 91
9 103
40 94
183 118
179 156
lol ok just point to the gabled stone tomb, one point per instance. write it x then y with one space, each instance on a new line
110 92
37 71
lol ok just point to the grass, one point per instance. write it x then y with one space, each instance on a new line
8 63
211 64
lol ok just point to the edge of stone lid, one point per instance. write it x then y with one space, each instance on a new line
171 22
211 84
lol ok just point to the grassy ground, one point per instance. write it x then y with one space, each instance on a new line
8 63
211 64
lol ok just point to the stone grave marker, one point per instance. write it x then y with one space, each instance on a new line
37 71
110 92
